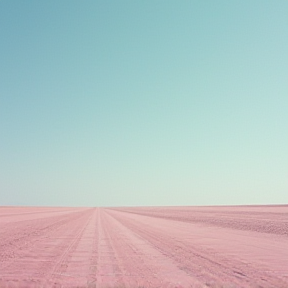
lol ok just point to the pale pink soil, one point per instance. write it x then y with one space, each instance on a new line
243 246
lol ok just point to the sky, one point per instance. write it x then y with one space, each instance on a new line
140 103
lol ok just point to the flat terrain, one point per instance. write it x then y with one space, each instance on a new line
229 246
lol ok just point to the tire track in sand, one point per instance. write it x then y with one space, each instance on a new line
238 219
140 263
207 266
17 235
34 261
72 267
107 265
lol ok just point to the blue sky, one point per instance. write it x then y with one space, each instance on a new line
117 103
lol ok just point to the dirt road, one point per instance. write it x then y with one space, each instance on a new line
240 246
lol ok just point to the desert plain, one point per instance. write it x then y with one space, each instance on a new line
132 247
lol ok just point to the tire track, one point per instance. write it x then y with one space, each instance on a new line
107 265
93 258
66 271
15 233
140 263
208 267
271 223
143 247
33 258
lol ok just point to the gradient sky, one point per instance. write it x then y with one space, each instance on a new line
118 103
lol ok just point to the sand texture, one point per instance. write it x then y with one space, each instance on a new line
228 246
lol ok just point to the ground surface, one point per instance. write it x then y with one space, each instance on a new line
244 246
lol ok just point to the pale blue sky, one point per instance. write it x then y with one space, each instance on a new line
114 103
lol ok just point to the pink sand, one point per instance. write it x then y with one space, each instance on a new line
240 246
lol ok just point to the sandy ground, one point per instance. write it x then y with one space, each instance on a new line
229 246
